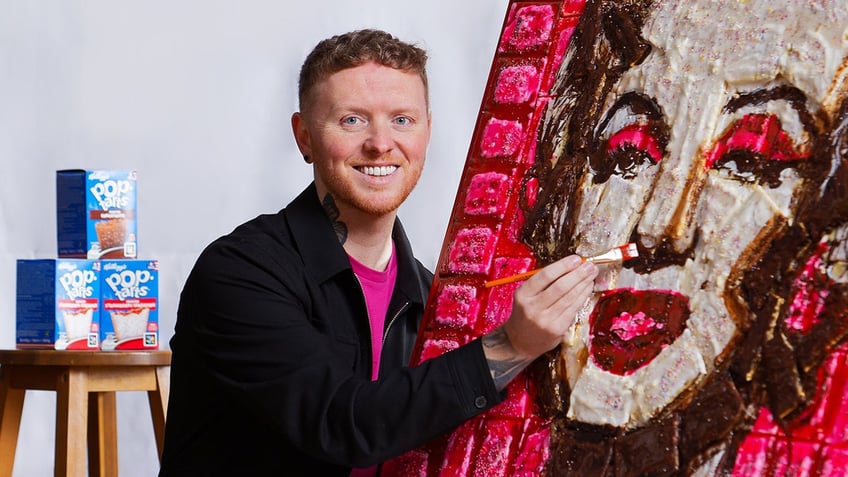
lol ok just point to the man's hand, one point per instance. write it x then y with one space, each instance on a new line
543 309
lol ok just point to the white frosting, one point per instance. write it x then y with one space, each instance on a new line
639 396
130 325
77 323
610 209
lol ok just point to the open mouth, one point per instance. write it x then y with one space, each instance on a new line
629 328
377 171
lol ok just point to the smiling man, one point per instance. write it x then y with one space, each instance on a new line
294 331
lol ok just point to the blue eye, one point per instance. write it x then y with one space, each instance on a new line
350 120
403 121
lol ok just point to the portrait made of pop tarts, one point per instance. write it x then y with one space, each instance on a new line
723 159
712 135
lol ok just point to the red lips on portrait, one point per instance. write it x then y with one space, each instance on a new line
629 328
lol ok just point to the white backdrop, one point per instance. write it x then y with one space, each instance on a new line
196 95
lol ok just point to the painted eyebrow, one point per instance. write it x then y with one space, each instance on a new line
638 103
792 95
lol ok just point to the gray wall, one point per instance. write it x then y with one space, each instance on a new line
196 95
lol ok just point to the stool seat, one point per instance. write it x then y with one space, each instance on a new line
85 383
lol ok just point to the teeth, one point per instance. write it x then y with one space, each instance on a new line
378 171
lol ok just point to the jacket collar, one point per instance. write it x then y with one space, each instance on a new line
325 258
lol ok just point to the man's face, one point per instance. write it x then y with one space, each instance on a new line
704 147
366 129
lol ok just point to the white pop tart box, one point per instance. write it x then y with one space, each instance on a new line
129 300
57 304
96 214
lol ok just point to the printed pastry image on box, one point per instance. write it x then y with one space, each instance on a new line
129 303
96 214
57 304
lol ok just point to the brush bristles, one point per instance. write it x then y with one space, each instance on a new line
624 252
630 251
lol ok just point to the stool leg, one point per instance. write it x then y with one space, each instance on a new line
159 405
71 419
102 434
11 406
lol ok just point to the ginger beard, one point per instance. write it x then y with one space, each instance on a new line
373 197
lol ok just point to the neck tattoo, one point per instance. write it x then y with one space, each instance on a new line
332 212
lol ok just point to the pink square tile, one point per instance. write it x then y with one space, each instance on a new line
517 84
471 251
529 27
456 306
488 194
501 138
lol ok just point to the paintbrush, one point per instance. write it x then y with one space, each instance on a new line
615 254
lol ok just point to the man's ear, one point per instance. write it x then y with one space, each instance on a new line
301 135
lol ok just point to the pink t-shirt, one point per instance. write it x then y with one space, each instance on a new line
378 287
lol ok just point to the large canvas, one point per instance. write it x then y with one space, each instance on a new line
713 135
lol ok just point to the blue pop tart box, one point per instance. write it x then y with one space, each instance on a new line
129 296
96 214
57 304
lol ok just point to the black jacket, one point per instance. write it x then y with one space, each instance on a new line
271 358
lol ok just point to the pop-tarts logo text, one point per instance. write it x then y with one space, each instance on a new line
127 283
113 194
77 283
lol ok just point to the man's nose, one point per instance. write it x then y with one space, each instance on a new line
379 139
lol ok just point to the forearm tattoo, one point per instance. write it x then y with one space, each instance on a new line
332 212
503 362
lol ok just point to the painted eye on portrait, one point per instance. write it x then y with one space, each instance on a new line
633 136
763 133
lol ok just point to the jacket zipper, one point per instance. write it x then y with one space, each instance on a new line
394 318
370 326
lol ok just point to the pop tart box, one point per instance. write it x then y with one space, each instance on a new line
96 214
58 304
129 296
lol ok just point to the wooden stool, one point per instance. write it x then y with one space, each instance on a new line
85 383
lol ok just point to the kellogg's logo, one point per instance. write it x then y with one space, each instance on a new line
129 283
118 267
